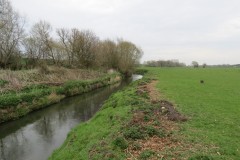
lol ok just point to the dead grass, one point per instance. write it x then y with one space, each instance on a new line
57 75
53 97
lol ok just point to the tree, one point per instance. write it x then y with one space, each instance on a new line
107 55
88 44
163 63
128 55
64 41
204 65
11 35
33 51
81 46
39 45
41 32
195 64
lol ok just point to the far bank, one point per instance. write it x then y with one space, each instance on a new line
28 90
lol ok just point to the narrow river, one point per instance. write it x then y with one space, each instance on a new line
35 136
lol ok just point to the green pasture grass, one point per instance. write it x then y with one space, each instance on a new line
213 107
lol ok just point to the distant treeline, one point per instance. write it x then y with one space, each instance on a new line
225 65
68 47
164 63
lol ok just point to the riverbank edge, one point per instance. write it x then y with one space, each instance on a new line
16 105
102 136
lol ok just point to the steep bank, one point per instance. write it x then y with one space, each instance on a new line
32 95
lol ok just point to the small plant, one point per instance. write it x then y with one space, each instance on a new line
147 118
201 158
134 132
136 146
151 131
120 142
3 82
32 87
9 100
146 154
141 71
156 123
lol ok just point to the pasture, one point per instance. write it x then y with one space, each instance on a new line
213 106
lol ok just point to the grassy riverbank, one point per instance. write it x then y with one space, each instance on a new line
140 122
26 91
101 137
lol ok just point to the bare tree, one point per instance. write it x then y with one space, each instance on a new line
195 64
59 53
41 31
34 50
11 34
64 40
164 63
80 46
204 65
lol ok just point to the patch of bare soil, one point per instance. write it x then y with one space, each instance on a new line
163 118
166 106
172 113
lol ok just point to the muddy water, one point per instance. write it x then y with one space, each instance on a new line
36 135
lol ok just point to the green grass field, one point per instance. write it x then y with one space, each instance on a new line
213 107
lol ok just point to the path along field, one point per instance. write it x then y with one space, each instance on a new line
213 107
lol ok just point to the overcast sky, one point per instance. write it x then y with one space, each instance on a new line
207 31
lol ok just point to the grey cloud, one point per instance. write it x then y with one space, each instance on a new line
203 30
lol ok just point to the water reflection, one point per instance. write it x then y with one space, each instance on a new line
35 136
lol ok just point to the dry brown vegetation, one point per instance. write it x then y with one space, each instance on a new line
16 80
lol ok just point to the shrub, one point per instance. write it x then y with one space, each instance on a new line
120 142
3 82
34 87
201 158
146 154
140 71
151 131
35 94
147 118
9 100
43 68
13 99
28 97
60 90
136 146
134 132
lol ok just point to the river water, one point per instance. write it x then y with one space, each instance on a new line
35 136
